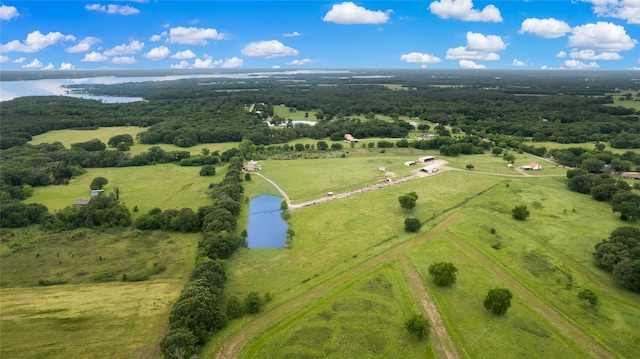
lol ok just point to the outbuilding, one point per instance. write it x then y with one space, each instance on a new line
426 159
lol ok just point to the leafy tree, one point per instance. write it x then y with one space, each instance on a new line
627 272
117 139
627 204
588 296
123 147
252 303
408 200
592 165
322 146
520 213
496 151
234 307
443 273
207 170
412 225
470 166
178 343
498 300
98 183
418 326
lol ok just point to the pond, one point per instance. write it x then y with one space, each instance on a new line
266 229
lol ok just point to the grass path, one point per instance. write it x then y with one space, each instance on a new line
594 348
233 347
443 343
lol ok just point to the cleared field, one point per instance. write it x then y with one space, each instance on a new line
586 145
165 186
293 114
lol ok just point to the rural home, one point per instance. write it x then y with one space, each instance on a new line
631 175
532 166
252 166
349 138
426 159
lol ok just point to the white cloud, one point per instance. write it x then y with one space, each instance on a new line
349 13
156 38
479 47
210 63
35 42
94 57
463 10
19 60
548 28
158 53
603 36
419 58
275 67
4 59
468 64
628 10
518 63
300 62
8 12
124 49
124 60
66 66
193 35
591 55
84 45
292 34
184 55
561 54
113 9
575 64
35 64
48 67
268 49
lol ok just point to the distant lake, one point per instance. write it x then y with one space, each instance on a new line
266 229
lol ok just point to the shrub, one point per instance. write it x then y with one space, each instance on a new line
412 225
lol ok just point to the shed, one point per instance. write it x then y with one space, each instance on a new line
631 175
426 159
95 192
410 163
430 169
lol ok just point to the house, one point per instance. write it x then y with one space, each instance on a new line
533 166
95 192
426 159
252 166
631 175
349 138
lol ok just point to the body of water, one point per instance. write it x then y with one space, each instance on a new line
266 229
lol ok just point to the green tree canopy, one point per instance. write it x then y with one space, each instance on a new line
418 326
443 273
408 201
520 213
98 183
498 300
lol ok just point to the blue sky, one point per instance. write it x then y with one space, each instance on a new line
147 34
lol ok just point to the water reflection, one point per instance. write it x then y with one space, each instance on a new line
266 229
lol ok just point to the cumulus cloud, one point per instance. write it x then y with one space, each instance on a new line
210 63
575 64
300 62
158 53
19 60
518 63
548 28
561 54
94 57
292 34
479 47
84 45
602 36
419 58
35 42
348 13
124 49
184 55
468 64
628 10
35 64
268 49
156 38
66 66
194 35
113 9
463 10
8 12
124 60
3 59
592 55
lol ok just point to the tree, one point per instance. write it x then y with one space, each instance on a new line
178 343
207 170
443 273
470 167
252 303
247 177
498 300
412 225
98 183
496 151
322 146
592 165
520 213
418 326
408 200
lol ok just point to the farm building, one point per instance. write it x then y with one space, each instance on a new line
349 138
410 163
95 192
426 159
252 166
430 168
631 175
532 166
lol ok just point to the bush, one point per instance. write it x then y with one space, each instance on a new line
207 170
443 273
498 300
412 225
417 326
520 213
589 296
